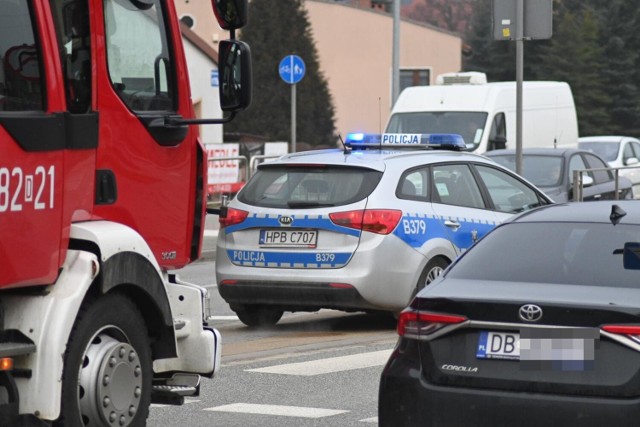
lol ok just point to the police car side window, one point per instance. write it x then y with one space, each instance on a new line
414 185
455 185
507 193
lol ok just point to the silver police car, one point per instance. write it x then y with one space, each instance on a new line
361 228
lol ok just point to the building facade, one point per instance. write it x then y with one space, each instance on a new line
354 46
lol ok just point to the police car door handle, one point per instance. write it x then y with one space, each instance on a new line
452 224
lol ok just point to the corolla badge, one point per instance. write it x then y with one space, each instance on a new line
530 313
285 220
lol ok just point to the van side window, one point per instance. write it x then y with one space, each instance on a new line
21 84
498 131
138 55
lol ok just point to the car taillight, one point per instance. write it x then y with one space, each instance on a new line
380 221
233 217
415 324
622 329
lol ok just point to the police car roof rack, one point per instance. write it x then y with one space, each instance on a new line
412 141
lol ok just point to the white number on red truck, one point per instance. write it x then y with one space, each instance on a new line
18 188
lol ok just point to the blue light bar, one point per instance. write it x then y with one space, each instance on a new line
359 139
444 141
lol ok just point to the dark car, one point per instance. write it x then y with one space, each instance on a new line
551 170
536 324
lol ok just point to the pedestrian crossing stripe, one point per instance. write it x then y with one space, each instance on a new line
329 365
279 410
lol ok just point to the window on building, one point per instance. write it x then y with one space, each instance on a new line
414 77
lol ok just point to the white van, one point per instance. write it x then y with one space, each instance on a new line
485 113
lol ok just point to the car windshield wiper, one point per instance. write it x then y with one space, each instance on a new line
303 204
526 207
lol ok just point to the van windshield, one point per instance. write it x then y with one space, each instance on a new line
470 125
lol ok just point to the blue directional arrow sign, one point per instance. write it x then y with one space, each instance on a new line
291 69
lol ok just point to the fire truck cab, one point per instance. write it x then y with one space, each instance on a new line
101 195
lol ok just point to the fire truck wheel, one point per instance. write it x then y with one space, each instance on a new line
108 368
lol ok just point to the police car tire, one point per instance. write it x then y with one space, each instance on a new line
254 315
439 263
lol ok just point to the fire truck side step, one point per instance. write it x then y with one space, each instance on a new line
171 394
13 349
171 391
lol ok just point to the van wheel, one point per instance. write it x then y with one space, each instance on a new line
254 315
108 369
434 268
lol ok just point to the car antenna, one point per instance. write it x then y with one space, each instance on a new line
616 214
344 146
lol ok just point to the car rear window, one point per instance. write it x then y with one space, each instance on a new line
569 253
299 187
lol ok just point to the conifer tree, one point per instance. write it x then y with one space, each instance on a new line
276 29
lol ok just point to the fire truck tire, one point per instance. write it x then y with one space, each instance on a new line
107 376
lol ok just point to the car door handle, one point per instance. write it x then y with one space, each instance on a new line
452 224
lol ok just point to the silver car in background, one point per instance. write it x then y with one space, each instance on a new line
619 152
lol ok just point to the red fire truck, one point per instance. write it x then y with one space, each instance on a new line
102 195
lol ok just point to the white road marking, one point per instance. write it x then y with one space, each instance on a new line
329 365
186 401
284 411
222 318
210 233
373 420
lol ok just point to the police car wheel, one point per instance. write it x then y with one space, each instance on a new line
434 268
254 315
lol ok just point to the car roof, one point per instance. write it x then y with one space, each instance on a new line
374 158
606 138
539 151
593 212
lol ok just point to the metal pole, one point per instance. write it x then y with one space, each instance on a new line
395 62
293 118
519 78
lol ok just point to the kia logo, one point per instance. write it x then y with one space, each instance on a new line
285 220
530 313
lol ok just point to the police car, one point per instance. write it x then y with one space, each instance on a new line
361 228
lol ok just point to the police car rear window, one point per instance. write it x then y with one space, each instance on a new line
300 187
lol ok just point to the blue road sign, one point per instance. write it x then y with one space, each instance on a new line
291 69
215 81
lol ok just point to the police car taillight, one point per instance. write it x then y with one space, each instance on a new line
233 217
413 323
380 221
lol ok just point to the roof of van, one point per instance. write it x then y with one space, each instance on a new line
476 97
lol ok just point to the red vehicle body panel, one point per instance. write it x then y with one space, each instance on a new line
155 184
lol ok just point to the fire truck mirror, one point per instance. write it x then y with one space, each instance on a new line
235 75
231 14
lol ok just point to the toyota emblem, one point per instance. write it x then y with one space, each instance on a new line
530 313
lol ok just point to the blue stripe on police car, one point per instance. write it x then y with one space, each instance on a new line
289 259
